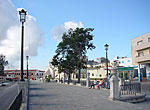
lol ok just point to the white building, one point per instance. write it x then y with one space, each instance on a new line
98 73
123 61
10 76
53 71
39 74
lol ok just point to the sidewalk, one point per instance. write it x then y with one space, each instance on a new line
53 96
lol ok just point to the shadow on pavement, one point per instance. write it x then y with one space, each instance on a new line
45 104
33 84
42 95
38 88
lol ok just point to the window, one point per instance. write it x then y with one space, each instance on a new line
140 54
128 60
92 74
100 75
139 42
122 61
83 76
149 39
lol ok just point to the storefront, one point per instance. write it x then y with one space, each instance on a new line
126 73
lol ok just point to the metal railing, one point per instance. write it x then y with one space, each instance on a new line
17 102
130 88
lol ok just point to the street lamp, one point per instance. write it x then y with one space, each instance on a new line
22 14
27 58
106 48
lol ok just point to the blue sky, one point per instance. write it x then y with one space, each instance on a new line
115 22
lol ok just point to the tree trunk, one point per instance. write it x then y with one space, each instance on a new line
64 78
59 77
79 75
69 78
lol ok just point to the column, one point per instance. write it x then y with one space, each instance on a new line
123 75
148 72
88 80
114 85
23 87
139 73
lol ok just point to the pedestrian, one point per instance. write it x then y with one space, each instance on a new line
93 84
99 85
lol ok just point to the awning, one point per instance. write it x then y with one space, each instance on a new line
125 68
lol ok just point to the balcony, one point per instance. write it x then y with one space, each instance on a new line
143 59
142 46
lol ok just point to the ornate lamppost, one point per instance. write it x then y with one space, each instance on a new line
22 14
27 58
106 48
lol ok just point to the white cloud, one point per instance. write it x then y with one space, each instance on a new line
57 31
8 17
72 25
10 33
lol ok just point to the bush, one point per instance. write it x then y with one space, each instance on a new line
48 78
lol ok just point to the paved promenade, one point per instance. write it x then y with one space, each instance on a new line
53 96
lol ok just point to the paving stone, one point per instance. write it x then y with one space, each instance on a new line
54 96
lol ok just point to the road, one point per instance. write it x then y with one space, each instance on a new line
53 96
7 95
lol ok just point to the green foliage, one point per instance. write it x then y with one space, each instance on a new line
3 63
72 48
48 78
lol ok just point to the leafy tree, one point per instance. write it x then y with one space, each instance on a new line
65 64
3 63
72 48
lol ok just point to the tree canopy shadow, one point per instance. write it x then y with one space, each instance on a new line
38 88
42 95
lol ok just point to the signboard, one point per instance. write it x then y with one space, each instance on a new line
125 68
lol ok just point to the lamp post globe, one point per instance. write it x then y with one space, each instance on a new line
106 46
22 14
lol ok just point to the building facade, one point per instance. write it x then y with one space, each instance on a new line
16 74
125 67
140 49
123 61
97 73
95 69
